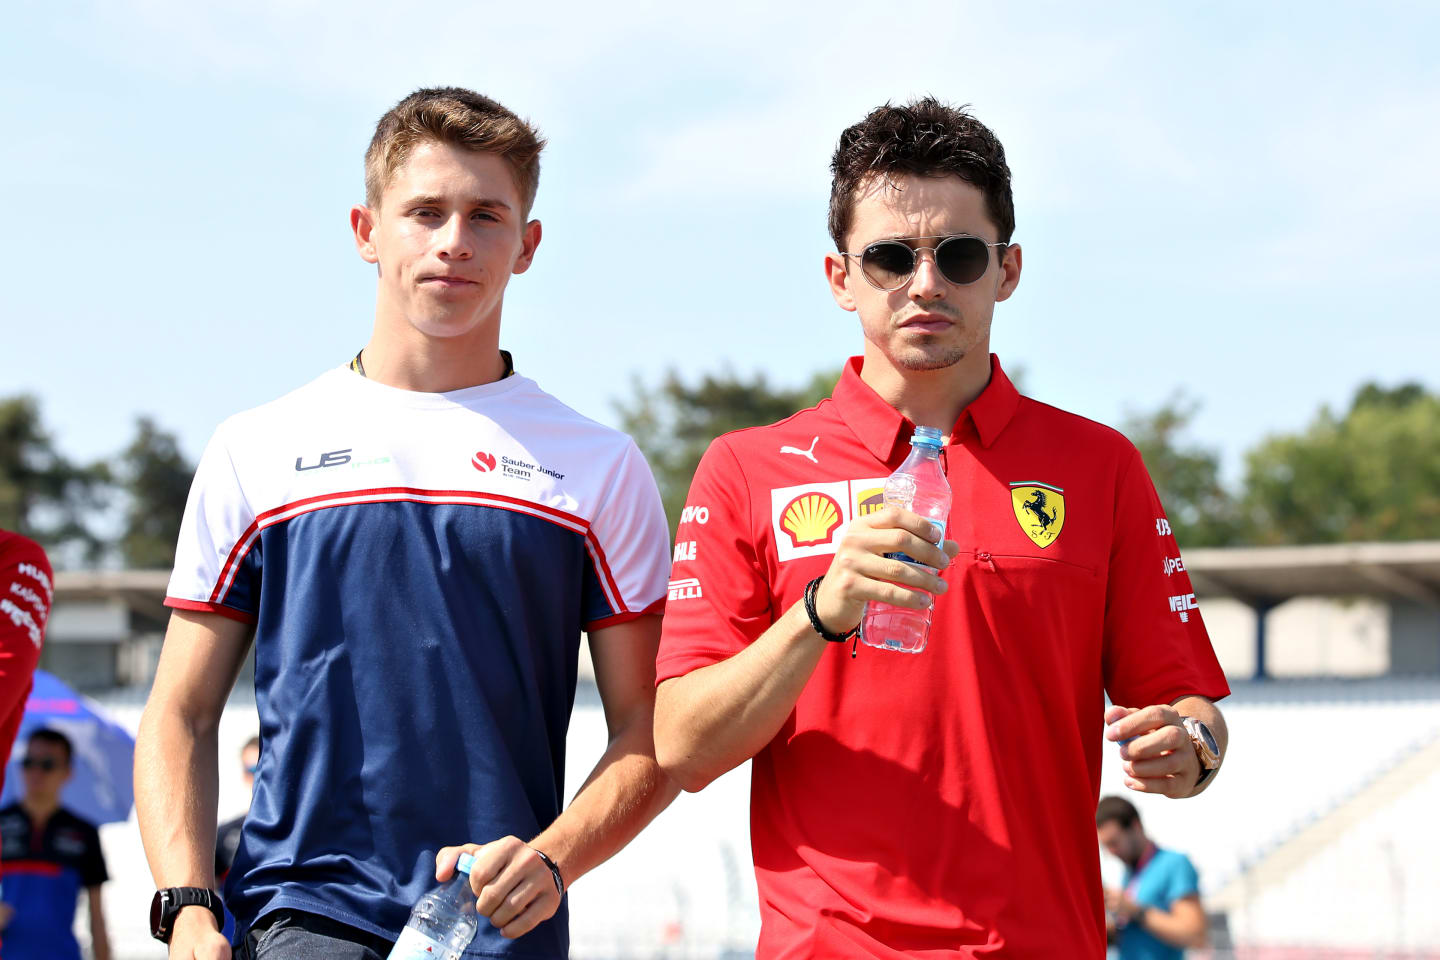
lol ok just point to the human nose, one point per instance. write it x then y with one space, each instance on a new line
454 239
927 283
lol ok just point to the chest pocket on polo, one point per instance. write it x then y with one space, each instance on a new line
1034 617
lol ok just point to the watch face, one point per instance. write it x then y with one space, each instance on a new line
157 912
1208 737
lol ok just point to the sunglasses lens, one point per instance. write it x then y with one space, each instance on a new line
962 259
888 264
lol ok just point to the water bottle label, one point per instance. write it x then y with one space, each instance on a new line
414 945
937 528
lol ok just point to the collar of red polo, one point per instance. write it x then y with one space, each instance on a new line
882 428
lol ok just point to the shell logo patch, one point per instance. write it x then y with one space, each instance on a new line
1040 510
810 518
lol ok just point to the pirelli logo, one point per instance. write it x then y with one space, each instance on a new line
686 589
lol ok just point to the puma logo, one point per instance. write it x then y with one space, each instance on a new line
807 454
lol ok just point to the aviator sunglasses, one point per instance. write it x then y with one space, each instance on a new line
889 264
43 764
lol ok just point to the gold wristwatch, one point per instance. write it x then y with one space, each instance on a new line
1207 750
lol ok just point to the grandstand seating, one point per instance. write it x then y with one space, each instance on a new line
1305 752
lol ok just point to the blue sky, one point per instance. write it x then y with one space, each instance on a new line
1234 200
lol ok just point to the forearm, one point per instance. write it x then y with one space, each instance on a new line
715 718
1174 927
176 787
1206 712
99 943
625 791
99 937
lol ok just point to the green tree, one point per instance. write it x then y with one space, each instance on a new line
674 423
1187 477
42 494
1372 474
155 479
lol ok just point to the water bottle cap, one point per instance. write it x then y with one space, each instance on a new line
465 863
928 437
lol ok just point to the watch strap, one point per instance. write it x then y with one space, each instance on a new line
170 901
1208 758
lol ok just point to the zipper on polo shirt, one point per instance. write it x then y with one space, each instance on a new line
988 558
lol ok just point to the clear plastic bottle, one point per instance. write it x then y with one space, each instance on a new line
919 485
443 922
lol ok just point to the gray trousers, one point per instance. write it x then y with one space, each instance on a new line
295 935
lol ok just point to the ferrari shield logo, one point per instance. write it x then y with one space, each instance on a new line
1040 508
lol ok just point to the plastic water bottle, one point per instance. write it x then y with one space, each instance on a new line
443 922
919 486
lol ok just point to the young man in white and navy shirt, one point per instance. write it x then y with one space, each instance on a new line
415 541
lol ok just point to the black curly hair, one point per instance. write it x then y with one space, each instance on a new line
925 138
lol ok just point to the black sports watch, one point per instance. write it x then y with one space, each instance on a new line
168 903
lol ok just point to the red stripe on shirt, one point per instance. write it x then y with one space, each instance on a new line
289 511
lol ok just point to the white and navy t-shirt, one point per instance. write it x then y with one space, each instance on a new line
418 568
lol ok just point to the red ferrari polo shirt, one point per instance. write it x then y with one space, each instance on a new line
941 804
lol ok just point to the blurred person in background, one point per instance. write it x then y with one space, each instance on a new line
50 856
1157 912
414 542
937 804
26 592
227 835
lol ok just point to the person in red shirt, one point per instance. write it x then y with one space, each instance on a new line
936 804
26 592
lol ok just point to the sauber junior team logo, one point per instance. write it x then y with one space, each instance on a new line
482 461
1040 509
810 518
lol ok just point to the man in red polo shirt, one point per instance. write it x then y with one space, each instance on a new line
939 804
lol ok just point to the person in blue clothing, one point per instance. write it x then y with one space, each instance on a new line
50 856
1157 913
413 545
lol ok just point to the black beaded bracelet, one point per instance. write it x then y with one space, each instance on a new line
554 871
810 589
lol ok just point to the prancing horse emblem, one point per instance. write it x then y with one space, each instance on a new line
1040 510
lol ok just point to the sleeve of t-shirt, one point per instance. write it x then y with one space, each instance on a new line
719 597
1156 646
629 548
92 867
1184 881
26 591
216 568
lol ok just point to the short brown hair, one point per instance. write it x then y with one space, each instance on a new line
924 138
1117 810
459 117
55 738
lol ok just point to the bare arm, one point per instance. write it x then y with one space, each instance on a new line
627 788
623 793
1183 925
176 776
99 938
717 717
